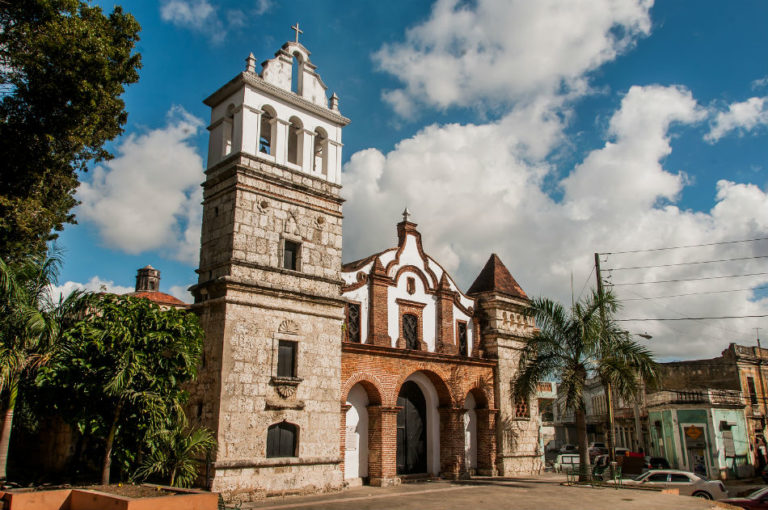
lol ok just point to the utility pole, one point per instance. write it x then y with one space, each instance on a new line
760 374
608 389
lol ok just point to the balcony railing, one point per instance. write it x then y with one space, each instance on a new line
728 398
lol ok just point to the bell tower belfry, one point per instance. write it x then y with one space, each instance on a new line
269 284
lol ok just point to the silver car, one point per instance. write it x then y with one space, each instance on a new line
689 484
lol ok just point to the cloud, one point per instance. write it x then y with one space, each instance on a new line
500 51
478 189
209 19
181 292
759 83
742 117
148 197
95 284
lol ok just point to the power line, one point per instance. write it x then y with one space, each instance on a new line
686 246
689 279
696 293
694 318
688 263
585 283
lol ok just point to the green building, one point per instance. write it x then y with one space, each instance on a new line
703 431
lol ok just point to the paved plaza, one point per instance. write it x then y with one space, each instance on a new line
544 492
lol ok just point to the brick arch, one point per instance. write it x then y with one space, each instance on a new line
443 392
370 384
482 399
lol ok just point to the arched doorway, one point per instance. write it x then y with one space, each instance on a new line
356 447
470 434
411 430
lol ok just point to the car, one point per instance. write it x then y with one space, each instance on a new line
566 462
689 484
596 449
569 448
656 463
755 501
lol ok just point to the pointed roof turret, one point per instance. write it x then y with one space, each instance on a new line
495 277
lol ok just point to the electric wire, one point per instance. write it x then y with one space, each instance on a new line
687 263
693 318
586 282
697 293
685 246
690 279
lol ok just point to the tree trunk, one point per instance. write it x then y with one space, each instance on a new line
5 436
173 476
581 433
610 439
108 448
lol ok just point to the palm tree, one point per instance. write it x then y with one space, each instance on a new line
574 346
31 325
176 454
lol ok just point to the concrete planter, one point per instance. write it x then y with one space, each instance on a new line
84 499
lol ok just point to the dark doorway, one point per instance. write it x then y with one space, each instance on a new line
411 430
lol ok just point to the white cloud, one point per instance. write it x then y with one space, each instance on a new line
478 189
95 284
742 117
508 50
148 197
209 19
760 83
181 292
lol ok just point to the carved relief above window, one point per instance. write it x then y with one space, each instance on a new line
411 285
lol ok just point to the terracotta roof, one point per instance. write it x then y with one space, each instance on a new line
495 277
161 298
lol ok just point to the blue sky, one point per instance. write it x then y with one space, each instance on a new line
543 132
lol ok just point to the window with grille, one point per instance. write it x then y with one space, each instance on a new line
282 440
286 359
463 339
411 331
521 408
353 322
291 255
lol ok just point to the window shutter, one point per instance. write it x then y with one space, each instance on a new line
286 354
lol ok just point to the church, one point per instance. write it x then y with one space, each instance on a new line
316 374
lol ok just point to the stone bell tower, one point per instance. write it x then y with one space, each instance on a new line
269 286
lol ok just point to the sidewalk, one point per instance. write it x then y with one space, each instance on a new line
543 492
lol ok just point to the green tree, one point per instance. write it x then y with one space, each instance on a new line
128 359
175 453
63 66
573 346
31 327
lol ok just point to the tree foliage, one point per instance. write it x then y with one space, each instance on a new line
63 67
121 370
572 346
31 328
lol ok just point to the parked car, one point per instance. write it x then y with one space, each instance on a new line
758 500
569 448
596 449
689 484
655 463
566 462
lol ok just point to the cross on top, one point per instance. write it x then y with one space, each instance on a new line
297 30
406 214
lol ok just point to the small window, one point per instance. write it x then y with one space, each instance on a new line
282 440
751 390
411 331
463 339
657 477
291 255
677 478
353 322
286 359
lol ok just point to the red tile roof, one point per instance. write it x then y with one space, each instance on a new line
495 277
161 298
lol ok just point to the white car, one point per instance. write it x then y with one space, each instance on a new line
566 462
689 484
